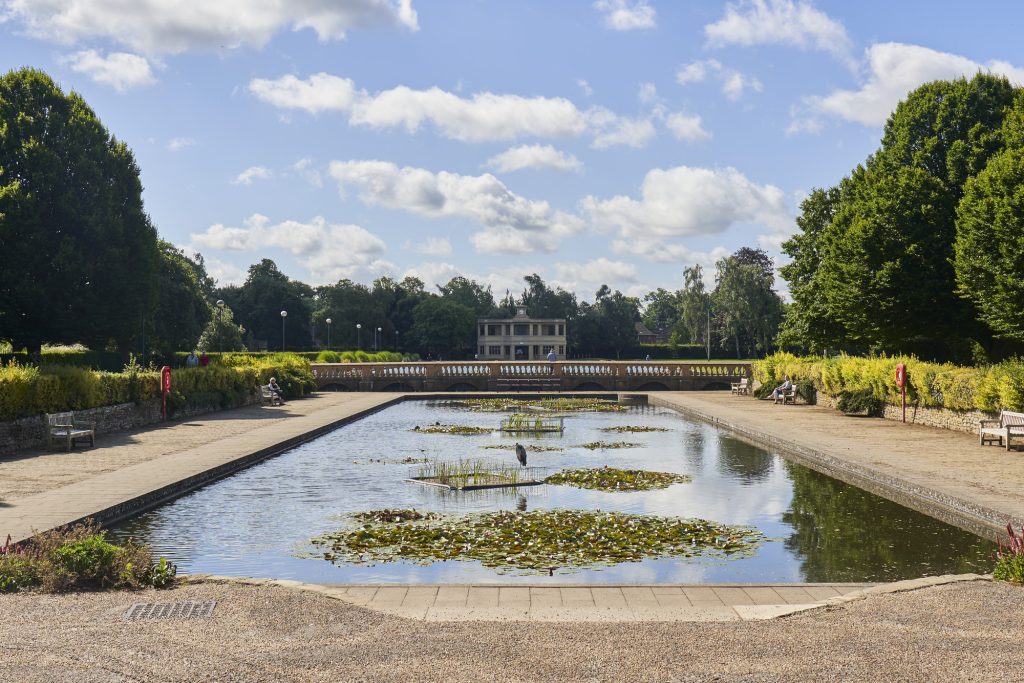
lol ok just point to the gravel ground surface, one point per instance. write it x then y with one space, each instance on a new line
961 632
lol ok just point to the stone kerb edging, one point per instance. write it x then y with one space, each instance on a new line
743 612
967 515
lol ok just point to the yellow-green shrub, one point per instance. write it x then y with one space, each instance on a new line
941 385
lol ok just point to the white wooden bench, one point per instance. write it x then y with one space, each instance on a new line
1009 427
268 396
787 396
65 429
741 388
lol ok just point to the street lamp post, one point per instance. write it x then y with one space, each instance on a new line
396 340
220 326
328 321
359 336
376 333
284 315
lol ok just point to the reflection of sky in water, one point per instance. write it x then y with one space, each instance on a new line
254 522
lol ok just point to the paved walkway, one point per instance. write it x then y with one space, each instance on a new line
738 602
940 472
41 490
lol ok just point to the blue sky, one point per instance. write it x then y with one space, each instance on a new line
616 141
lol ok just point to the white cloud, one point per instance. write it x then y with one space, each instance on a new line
734 83
163 27
648 93
610 129
690 201
592 274
686 127
320 92
512 224
780 22
119 70
439 273
434 246
623 15
330 251
893 70
482 117
585 87
664 252
178 144
306 169
534 156
252 173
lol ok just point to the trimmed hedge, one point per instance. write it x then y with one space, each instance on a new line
28 390
110 361
935 385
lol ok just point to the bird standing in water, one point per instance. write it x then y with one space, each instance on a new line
521 454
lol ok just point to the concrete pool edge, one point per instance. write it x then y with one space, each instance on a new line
978 519
595 603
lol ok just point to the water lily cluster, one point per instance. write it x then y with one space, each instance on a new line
613 479
605 445
622 429
453 429
537 541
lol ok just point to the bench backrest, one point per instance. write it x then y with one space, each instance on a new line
1010 418
60 419
265 390
743 382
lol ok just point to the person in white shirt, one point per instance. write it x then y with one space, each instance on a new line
782 388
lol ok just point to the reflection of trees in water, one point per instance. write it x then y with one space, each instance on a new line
750 464
694 444
843 533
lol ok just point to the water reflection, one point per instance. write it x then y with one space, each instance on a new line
842 533
258 521
750 464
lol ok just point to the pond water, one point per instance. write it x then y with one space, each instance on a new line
258 522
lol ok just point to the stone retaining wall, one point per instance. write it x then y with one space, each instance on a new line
943 418
31 432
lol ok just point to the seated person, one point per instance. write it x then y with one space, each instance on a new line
275 388
782 389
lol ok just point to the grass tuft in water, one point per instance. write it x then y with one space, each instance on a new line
605 445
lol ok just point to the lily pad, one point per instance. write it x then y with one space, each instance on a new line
623 429
453 429
613 479
387 515
605 445
538 541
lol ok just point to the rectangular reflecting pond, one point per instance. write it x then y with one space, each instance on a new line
259 522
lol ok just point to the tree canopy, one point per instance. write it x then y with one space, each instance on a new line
70 208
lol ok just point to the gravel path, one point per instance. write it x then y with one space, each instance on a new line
961 632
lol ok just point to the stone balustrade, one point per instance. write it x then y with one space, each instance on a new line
502 375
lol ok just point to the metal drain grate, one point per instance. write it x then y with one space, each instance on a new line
171 610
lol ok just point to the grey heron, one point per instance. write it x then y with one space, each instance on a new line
521 454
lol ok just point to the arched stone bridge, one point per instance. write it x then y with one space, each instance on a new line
528 376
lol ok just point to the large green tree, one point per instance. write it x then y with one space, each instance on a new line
79 252
259 301
694 307
747 308
182 308
989 258
873 263
442 328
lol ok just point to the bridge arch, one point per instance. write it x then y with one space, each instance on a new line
462 386
653 386
398 386
589 386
